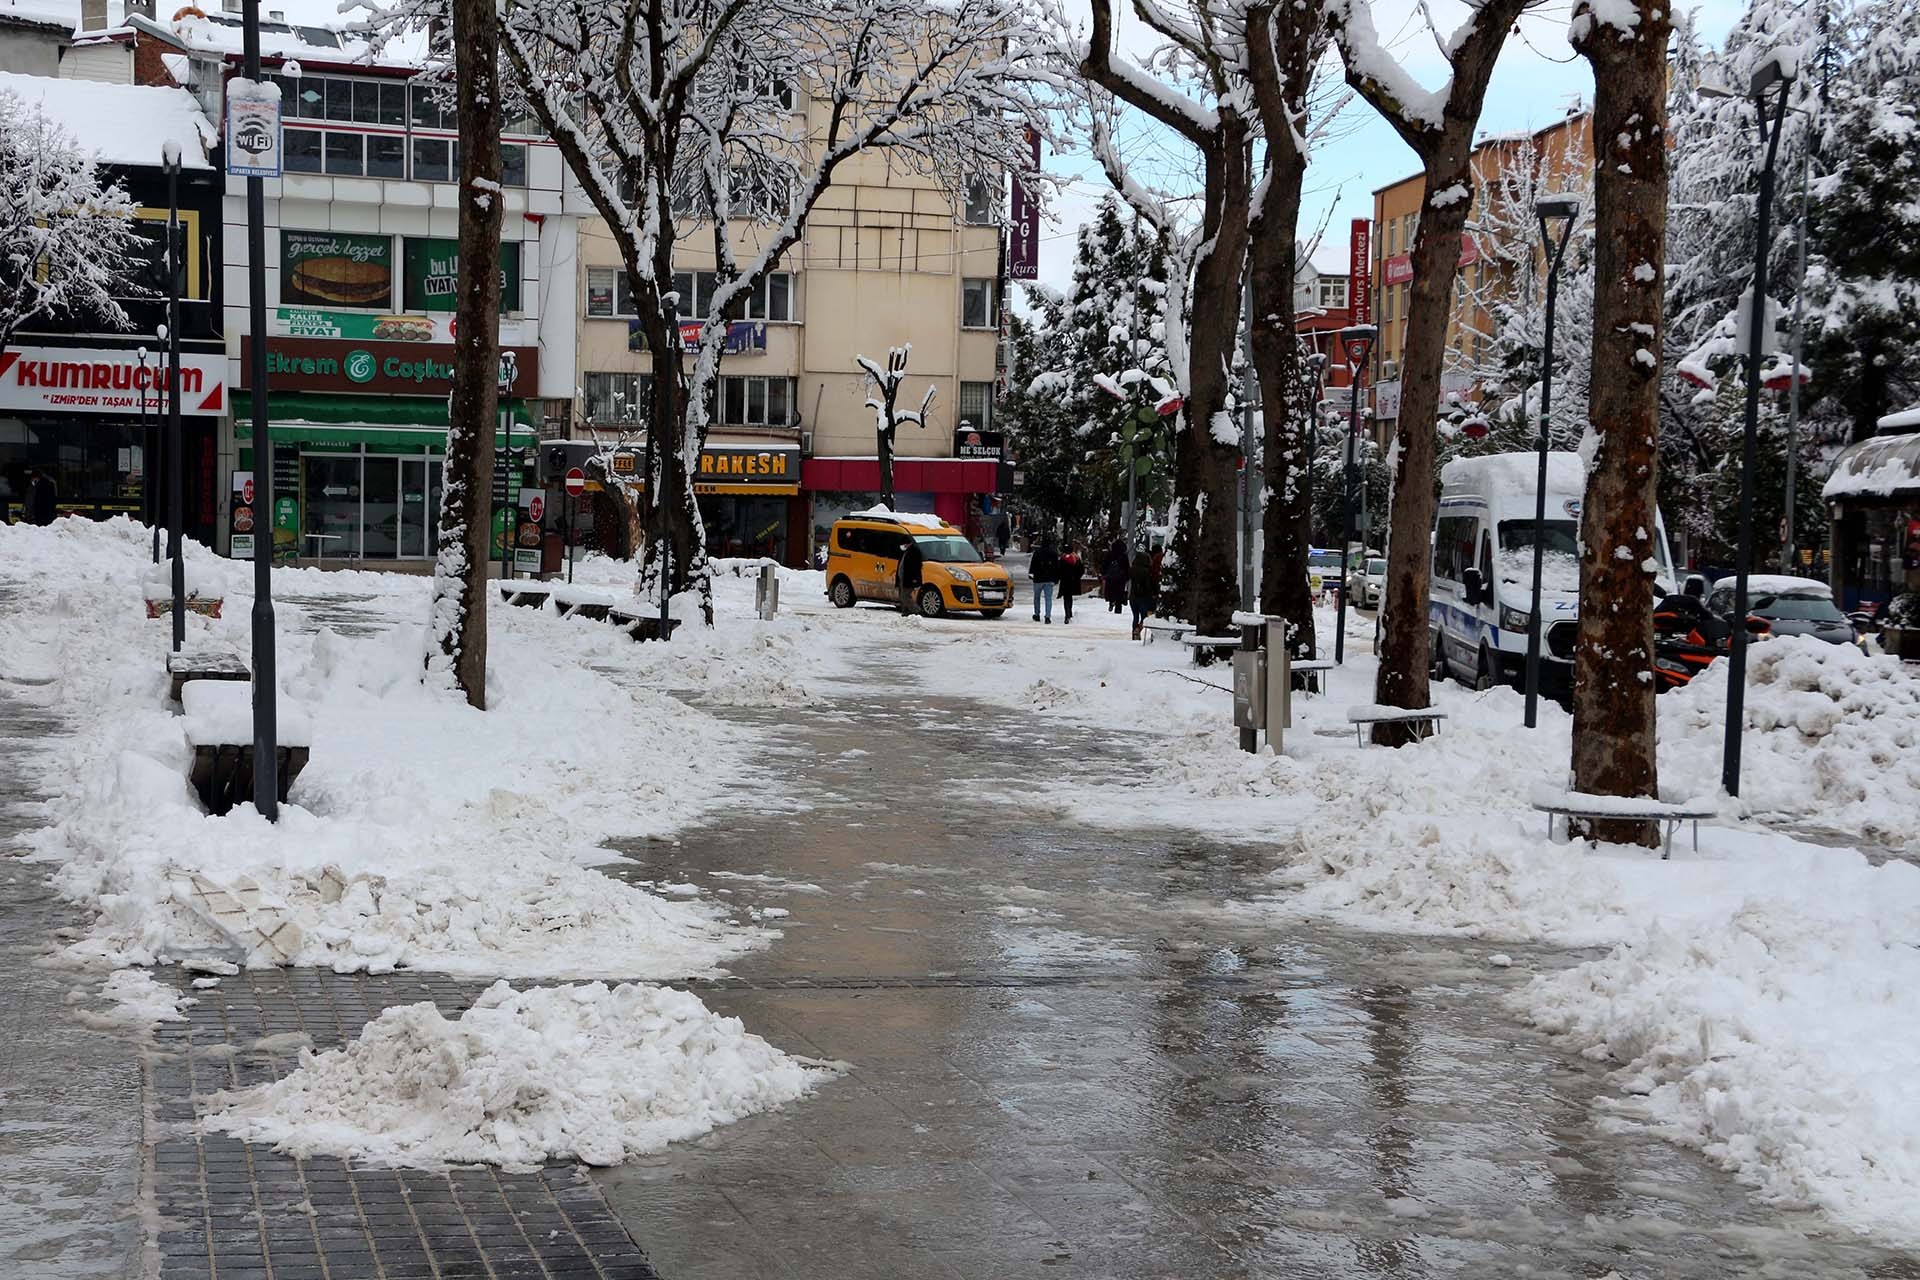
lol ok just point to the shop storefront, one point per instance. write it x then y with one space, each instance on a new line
83 415
359 439
1873 500
749 492
954 489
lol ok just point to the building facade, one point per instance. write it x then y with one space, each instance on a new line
886 260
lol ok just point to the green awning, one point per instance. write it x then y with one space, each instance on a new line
416 417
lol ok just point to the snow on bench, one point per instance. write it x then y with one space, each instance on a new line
219 725
1557 802
1172 628
205 662
1372 713
530 594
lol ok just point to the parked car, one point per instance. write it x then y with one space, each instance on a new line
1324 569
1368 582
863 563
1791 606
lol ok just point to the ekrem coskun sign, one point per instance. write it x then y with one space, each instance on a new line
371 368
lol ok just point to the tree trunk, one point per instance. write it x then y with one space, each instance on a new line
1613 690
1405 651
459 617
1279 91
1209 463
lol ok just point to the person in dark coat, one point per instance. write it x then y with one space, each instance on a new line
1069 576
1145 584
1004 535
1113 573
42 499
1043 571
912 559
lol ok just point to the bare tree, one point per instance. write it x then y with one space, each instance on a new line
67 240
736 116
1204 44
459 612
1284 42
887 415
1613 688
1438 125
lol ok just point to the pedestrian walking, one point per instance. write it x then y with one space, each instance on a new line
1043 572
1069 581
42 499
907 583
1004 535
1145 584
1114 574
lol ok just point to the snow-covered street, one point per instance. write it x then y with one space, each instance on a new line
980 949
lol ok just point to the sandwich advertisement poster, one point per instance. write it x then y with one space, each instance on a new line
336 269
432 271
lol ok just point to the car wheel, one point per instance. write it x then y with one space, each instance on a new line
841 594
1483 674
932 604
1437 669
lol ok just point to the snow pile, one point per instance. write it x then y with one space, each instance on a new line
585 1072
137 1002
1779 1041
1833 737
422 833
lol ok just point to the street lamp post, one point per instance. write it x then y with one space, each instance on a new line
170 162
1356 340
1317 366
1774 78
1788 552
1563 210
149 458
266 681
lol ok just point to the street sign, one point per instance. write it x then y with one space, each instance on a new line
246 491
576 482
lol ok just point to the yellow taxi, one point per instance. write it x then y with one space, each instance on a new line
863 563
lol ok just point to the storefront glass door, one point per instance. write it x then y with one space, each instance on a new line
419 505
332 503
380 508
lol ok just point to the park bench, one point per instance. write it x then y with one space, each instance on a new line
1561 805
641 626
529 595
1171 628
219 724
1200 644
1425 720
209 662
1312 672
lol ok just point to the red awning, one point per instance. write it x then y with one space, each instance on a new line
910 475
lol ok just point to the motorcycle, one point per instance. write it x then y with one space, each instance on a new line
1687 637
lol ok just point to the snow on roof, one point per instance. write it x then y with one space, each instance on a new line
1329 258
1779 584
1514 474
57 13
1878 467
1904 420
913 519
220 34
122 123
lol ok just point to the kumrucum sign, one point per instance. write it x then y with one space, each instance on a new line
371 368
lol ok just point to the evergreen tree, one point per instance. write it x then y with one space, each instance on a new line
1863 292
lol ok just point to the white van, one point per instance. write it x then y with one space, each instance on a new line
1483 568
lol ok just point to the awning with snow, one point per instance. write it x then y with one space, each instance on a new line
1881 468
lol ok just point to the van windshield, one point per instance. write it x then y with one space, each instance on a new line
948 550
1560 561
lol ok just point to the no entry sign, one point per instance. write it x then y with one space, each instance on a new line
576 482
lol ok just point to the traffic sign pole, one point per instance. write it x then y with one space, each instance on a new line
576 484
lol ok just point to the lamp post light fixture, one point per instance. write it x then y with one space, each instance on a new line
1772 80
1563 211
1357 341
149 457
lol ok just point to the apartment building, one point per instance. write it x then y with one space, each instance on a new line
1322 306
886 261
1561 147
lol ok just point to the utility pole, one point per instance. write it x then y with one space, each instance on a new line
1249 494
266 683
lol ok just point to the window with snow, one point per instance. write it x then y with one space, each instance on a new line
976 405
983 202
976 303
756 401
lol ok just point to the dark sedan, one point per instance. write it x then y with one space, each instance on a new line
1791 606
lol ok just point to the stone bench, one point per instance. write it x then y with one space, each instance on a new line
1171 628
219 725
1425 720
206 663
1561 805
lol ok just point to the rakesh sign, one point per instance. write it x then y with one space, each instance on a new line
746 469
97 380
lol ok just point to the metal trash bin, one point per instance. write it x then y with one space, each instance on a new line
766 592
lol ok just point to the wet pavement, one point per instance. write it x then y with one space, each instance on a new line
1068 1061
70 1096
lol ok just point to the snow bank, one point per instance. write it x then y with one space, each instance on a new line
422 833
136 1002
586 1072
1833 737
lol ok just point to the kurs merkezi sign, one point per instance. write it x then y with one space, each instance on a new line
106 380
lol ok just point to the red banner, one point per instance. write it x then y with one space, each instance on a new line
1023 227
1360 271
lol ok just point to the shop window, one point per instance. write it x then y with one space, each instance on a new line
345 155
513 164
386 156
609 293
432 160
976 303
303 151
426 110
976 405
339 96
756 401
1333 292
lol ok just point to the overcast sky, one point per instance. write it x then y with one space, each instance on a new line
1536 81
